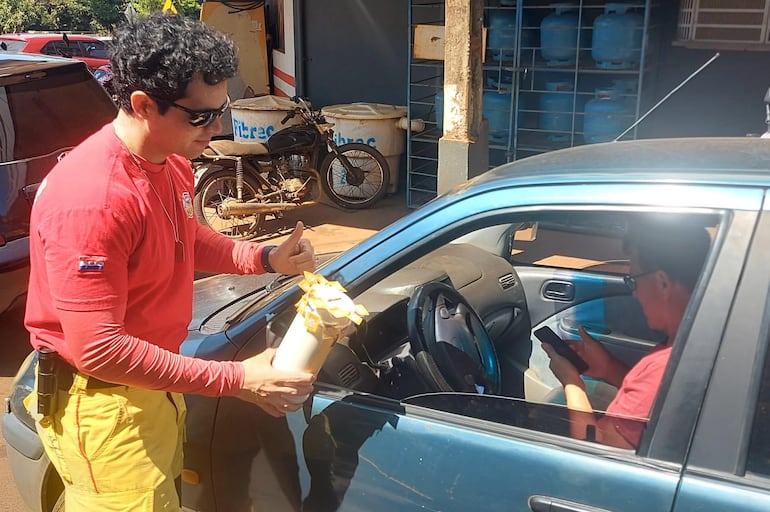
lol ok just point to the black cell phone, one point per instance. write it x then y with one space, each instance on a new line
546 335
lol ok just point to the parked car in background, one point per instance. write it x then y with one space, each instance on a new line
47 106
89 49
443 400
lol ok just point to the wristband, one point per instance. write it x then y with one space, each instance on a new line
265 260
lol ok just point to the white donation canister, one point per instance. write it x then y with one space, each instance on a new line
323 314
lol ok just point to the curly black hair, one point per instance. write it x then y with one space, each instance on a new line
161 54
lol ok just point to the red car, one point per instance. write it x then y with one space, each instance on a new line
89 49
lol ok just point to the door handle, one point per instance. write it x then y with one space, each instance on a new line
548 504
559 290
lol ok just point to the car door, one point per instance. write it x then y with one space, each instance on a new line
729 464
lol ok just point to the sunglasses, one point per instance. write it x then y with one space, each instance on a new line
203 118
630 279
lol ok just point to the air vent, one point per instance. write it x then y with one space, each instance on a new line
349 374
507 281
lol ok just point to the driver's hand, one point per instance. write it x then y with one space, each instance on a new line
601 364
562 368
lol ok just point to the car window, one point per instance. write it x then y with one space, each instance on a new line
759 444
37 127
391 354
586 241
62 49
13 46
94 49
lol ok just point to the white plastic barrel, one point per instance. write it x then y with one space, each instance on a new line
256 119
375 124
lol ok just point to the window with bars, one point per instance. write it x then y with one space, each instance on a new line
728 24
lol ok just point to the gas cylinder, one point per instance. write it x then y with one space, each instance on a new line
617 37
556 107
501 36
559 35
605 116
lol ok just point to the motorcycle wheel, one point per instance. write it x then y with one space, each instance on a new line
362 188
214 189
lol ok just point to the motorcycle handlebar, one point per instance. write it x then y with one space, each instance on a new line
289 115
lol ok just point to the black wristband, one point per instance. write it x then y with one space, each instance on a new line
265 260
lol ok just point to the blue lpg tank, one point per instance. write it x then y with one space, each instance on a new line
559 35
605 116
617 37
497 110
556 107
501 35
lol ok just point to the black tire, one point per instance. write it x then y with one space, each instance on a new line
215 188
355 191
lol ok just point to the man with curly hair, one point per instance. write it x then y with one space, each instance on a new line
114 246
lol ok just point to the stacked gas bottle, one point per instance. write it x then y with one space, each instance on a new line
616 42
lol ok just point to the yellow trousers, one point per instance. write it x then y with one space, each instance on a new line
117 449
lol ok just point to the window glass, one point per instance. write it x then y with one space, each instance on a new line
94 49
13 46
422 344
758 460
38 125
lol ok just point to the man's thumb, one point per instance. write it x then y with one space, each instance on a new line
296 235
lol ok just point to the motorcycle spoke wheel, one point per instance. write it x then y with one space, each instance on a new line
217 188
365 185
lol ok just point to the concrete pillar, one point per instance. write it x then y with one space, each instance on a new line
463 150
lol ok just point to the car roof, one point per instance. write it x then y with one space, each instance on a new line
26 36
719 160
17 63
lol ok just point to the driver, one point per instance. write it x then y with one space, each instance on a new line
666 261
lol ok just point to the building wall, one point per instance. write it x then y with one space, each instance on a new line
354 50
725 99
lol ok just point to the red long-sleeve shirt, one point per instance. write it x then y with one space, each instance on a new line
113 244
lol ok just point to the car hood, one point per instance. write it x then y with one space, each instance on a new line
217 297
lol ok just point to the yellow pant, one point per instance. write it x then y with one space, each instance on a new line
116 449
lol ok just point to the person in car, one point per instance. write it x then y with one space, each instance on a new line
114 244
665 262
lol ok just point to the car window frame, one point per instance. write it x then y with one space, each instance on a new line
715 449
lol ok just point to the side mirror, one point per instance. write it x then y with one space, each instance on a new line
767 96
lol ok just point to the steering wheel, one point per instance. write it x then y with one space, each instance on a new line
450 343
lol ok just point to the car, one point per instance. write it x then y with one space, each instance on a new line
394 425
89 49
38 128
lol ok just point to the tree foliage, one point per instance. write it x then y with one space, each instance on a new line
98 16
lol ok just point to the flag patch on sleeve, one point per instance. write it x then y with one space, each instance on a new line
90 263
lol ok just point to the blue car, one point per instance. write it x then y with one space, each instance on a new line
443 399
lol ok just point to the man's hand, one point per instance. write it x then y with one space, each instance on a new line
295 255
562 368
601 364
271 389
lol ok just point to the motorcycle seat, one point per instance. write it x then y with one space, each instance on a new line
230 147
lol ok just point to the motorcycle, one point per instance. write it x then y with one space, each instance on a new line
238 183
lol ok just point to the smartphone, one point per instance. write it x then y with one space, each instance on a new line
546 335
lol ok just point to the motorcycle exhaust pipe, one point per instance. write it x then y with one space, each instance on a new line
234 208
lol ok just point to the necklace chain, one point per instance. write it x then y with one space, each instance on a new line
174 225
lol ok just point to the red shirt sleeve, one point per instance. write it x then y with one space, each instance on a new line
215 252
637 394
109 353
